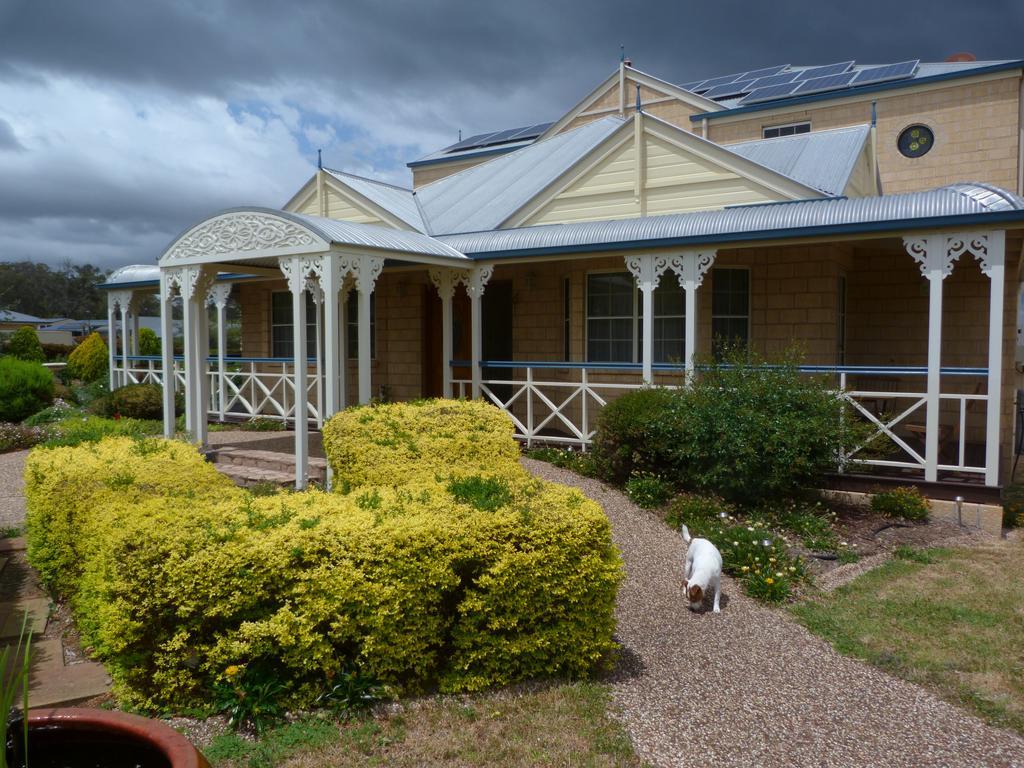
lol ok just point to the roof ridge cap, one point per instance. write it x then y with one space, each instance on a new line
367 178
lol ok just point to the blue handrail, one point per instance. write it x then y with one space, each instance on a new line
876 370
227 359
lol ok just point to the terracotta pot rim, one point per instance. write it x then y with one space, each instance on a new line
178 750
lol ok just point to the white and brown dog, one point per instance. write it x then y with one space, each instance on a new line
703 571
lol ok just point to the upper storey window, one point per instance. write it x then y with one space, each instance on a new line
773 132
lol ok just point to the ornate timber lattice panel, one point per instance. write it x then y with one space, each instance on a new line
242 232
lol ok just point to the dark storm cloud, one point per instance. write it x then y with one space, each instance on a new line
430 68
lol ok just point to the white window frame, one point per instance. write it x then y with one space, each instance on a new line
310 324
781 126
750 301
351 349
636 342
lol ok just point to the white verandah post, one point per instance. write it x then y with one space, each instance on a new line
445 281
111 342
690 267
936 259
646 270
990 251
219 295
318 305
475 285
167 350
294 270
368 270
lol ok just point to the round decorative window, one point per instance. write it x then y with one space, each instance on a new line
915 140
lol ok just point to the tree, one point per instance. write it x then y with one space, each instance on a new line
43 291
149 342
89 360
24 345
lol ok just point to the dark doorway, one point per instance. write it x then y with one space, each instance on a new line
433 366
496 308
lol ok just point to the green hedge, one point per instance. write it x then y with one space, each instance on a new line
390 444
174 576
24 345
137 401
744 430
25 388
89 360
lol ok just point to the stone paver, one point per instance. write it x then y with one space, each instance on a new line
52 682
751 687
12 489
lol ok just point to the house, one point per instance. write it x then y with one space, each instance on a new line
871 214
12 321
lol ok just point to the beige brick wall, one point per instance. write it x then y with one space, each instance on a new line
976 130
794 298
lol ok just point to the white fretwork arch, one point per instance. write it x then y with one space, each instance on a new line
251 232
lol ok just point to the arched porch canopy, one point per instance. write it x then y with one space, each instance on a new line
259 237
323 257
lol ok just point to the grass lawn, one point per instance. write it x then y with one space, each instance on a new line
557 725
950 619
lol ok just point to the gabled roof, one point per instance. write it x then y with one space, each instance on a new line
398 201
483 196
824 160
10 316
945 206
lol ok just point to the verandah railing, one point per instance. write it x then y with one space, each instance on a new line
250 386
556 402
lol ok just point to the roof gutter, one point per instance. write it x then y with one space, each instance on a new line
1001 217
829 95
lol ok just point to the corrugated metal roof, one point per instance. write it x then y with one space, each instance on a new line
134 273
371 236
10 316
397 201
822 159
743 222
482 197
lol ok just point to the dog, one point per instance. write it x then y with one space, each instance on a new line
703 571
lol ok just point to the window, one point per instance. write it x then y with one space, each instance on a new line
611 318
353 325
915 140
730 307
282 340
785 130
566 319
614 321
841 322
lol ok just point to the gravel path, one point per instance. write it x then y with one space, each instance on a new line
749 686
12 489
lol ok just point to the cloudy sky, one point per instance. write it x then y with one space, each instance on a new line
124 121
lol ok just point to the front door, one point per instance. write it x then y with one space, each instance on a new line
433 366
496 309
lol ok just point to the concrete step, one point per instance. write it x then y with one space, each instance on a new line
271 461
247 477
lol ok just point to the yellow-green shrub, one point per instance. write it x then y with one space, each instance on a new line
461 584
89 359
68 487
393 443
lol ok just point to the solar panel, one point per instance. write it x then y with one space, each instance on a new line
764 82
765 72
827 83
888 72
472 141
531 132
499 137
770 92
829 69
729 89
718 81
691 86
